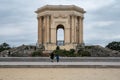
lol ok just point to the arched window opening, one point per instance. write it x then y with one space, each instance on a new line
60 35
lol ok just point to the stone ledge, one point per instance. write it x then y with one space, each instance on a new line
59 65
60 7
62 59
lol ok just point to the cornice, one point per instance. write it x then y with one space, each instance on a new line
60 7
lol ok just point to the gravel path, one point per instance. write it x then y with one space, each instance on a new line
59 74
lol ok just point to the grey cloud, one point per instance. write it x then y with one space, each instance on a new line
19 14
111 12
19 39
102 25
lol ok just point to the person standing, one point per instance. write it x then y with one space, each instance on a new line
52 57
57 57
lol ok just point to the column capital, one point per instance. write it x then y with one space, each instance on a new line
81 17
72 15
48 15
40 17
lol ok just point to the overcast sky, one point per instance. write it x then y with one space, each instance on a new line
18 23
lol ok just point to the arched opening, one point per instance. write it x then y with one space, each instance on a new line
60 35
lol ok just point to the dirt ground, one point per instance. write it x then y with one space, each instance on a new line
59 74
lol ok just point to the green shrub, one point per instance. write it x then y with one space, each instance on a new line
61 52
114 46
72 51
36 54
4 46
84 53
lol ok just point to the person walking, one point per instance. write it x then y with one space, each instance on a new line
52 57
57 57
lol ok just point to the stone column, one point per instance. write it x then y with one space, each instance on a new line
67 31
80 30
39 30
67 35
72 28
52 30
48 29
42 28
75 26
77 31
53 35
45 29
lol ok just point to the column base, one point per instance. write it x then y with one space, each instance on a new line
52 46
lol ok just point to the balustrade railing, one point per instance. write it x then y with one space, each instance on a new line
60 42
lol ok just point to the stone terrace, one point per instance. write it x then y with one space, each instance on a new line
69 62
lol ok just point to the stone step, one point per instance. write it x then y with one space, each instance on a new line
62 59
59 65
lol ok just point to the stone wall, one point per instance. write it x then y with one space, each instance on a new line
99 51
21 51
